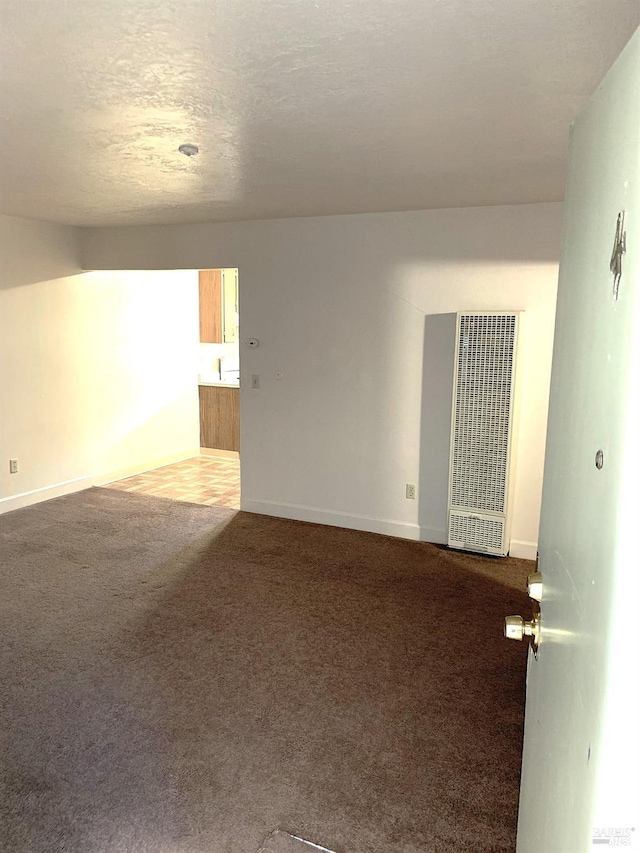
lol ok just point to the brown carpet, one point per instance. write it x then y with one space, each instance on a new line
185 678
283 842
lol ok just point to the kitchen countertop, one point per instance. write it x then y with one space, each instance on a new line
219 384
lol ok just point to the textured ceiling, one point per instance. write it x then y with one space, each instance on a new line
299 107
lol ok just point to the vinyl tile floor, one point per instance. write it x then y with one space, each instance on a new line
208 480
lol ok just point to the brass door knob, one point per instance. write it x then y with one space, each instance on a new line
534 586
517 628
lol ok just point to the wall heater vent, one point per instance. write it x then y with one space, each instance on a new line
480 472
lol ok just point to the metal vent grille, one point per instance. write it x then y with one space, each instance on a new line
482 411
475 533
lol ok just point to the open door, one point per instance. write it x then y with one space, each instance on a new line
580 763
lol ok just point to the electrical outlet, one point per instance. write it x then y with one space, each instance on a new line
13 466
411 492
255 380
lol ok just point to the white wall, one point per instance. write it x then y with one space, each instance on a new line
98 371
338 304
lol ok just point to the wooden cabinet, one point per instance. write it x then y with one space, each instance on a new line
210 292
218 291
219 417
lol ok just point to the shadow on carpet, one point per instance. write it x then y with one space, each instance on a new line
188 678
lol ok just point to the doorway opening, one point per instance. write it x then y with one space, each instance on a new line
212 477
219 381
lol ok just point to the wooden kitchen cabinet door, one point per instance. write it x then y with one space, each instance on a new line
210 291
219 417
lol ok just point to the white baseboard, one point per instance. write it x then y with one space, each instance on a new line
57 490
523 550
219 454
297 512
387 527
112 476
46 493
